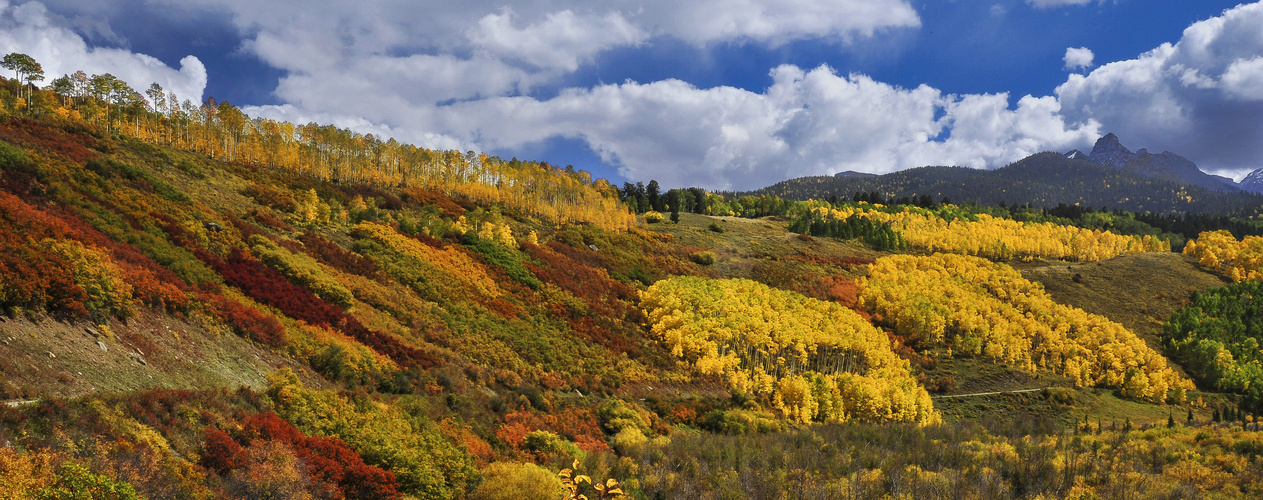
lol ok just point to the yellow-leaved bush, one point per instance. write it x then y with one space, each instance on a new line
423 260
971 305
301 270
108 294
1219 251
1002 239
816 360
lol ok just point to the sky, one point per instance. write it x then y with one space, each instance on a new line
721 94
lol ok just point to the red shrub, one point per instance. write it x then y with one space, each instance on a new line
388 201
245 228
268 427
35 134
328 459
421 196
269 287
220 453
267 220
611 304
335 256
246 321
368 482
271 197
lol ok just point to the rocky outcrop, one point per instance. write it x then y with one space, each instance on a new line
1110 152
1169 166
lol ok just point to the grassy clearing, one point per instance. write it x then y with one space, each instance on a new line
49 358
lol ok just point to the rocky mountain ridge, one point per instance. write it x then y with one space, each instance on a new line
1110 152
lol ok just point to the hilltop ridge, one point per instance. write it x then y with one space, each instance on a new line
1166 165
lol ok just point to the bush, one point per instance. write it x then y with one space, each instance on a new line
739 422
616 415
703 258
546 445
653 217
511 481
335 256
301 270
271 197
714 226
13 158
108 169
76 481
506 259
246 321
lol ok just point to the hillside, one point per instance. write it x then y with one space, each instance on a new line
1043 181
196 307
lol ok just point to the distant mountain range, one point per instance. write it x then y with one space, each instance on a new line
1111 176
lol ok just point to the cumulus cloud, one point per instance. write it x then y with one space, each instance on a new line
30 29
462 76
1077 58
1198 97
807 123
562 40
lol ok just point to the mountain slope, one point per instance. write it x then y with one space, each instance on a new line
1043 180
1253 182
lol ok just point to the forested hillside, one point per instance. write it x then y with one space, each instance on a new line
1043 181
198 304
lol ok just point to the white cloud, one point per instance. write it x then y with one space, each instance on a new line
1050 4
807 123
1077 58
774 21
461 76
562 40
1244 79
30 29
1198 97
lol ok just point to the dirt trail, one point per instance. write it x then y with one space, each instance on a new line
988 393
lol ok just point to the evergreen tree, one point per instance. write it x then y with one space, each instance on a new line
654 193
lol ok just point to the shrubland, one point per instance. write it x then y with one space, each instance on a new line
478 325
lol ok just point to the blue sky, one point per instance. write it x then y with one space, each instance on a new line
721 94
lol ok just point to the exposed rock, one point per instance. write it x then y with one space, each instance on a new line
92 331
1075 154
1169 166
1109 152
102 345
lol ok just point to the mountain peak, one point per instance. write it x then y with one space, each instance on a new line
1110 152
1253 182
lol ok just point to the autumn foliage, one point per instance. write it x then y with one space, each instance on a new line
328 461
994 238
972 306
1220 252
817 360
